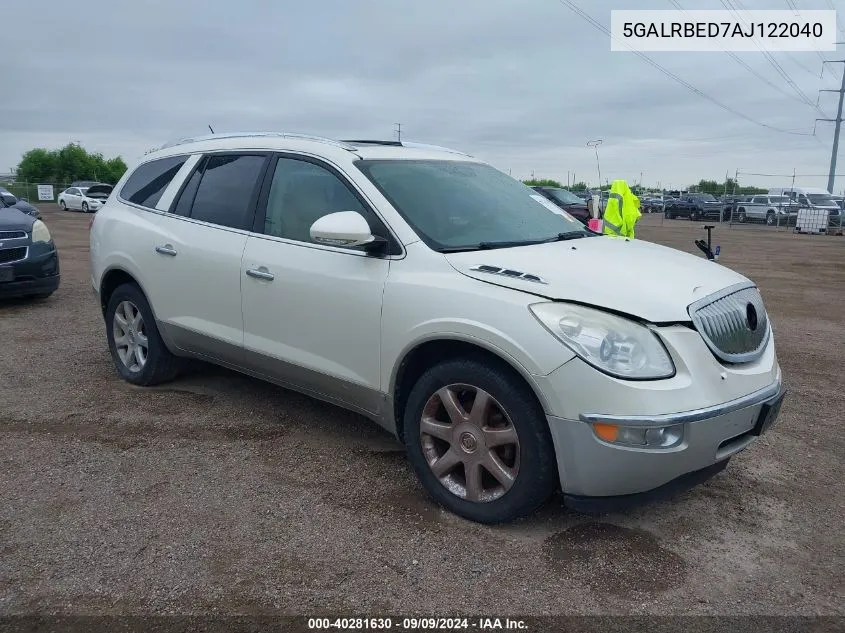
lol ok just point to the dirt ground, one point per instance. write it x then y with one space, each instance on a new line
222 494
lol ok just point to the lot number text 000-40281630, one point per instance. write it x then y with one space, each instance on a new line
718 31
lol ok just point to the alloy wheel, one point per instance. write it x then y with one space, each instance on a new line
469 443
130 337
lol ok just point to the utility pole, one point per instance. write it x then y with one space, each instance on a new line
399 132
595 144
838 121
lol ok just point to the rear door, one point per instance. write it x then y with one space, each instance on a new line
199 247
756 207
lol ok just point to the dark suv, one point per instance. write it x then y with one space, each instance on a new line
695 206
566 200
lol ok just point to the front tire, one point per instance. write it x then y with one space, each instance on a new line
62 205
84 207
770 218
138 352
741 218
479 441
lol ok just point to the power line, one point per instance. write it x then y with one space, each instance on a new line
751 173
838 23
772 61
598 25
742 63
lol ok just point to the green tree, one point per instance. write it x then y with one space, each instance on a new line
71 162
577 186
544 182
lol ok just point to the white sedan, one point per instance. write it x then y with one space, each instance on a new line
85 199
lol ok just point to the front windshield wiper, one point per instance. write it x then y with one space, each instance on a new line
569 235
486 246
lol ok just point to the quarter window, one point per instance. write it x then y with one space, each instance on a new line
148 182
186 198
300 194
227 190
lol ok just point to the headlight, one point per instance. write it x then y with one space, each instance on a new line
40 233
617 346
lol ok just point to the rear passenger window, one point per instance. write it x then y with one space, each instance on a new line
145 186
227 190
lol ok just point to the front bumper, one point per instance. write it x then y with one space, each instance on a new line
590 467
38 274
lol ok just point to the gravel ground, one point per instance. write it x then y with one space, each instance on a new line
222 494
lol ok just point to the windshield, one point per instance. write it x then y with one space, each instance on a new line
82 190
458 205
822 199
565 197
779 199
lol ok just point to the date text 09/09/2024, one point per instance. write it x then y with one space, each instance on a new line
417 624
722 29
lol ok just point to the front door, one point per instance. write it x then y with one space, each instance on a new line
312 313
198 248
73 198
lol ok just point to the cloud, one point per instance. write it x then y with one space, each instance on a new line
522 84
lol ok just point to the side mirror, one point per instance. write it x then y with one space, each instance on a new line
345 229
9 199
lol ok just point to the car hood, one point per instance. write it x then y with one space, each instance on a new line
12 219
634 277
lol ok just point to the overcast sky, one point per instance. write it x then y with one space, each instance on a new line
523 84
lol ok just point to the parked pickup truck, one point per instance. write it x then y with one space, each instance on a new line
694 206
771 209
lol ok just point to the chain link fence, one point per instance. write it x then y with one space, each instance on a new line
786 208
36 192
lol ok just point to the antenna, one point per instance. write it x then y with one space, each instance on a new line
210 128
399 132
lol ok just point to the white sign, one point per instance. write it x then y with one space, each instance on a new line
755 31
45 192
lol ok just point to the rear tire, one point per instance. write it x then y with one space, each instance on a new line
154 365
740 216
525 464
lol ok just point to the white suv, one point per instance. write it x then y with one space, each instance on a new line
513 351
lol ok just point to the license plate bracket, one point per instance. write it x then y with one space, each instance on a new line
769 413
7 273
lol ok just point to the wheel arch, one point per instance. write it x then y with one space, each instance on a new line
111 279
425 353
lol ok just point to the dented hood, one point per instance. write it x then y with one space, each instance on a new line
639 278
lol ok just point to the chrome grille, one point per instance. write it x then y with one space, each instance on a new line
733 323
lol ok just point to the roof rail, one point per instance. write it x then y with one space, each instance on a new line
363 142
212 137
408 144
432 147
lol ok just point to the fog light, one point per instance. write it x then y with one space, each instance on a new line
651 437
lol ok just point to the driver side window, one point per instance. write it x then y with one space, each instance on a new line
300 194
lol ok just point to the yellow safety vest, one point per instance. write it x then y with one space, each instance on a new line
622 211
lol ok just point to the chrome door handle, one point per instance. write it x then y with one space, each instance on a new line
167 249
261 273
